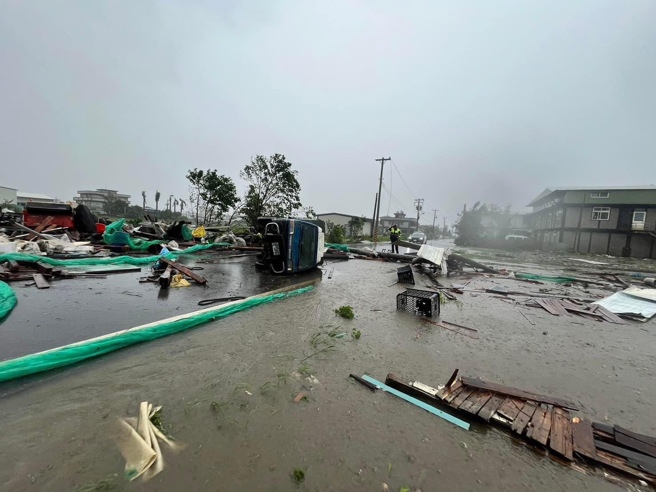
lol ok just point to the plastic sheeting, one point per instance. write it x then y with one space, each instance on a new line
77 352
546 278
114 234
340 247
7 300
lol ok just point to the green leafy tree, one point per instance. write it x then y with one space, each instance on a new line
355 226
211 194
273 188
115 207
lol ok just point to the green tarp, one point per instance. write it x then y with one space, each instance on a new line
77 352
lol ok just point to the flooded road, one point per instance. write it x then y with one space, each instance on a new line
227 389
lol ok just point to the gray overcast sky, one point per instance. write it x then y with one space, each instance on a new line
490 101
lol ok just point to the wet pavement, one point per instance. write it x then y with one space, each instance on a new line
57 426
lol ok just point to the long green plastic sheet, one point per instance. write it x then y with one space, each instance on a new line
7 299
77 352
117 260
546 278
340 247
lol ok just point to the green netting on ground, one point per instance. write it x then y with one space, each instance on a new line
546 278
340 247
70 354
7 300
117 260
114 234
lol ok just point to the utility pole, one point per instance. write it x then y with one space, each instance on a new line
444 226
373 217
380 186
434 217
419 205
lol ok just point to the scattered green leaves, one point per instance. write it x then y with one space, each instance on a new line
356 334
305 370
345 312
299 475
218 406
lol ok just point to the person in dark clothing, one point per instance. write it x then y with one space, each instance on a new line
395 235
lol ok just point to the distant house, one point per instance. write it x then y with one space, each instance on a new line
619 221
408 225
23 198
96 199
344 219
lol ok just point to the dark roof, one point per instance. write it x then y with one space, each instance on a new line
549 191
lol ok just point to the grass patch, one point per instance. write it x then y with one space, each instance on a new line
305 370
345 312
299 475
356 334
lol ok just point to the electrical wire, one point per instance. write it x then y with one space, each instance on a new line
401 176
389 202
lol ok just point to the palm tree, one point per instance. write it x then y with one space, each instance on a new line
182 205
143 195
157 195
175 205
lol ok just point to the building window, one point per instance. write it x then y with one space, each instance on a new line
601 213
599 194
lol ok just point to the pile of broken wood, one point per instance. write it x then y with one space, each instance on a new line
543 421
563 307
41 273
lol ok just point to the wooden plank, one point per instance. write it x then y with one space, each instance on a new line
452 378
526 395
475 401
457 387
620 464
511 408
559 307
546 306
630 442
464 394
13 265
491 407
45 223
608 429
536 423
561 433
583 439
40 281
185 270
408 387
44 268
524 417
634 459
541 435
640 437
165 278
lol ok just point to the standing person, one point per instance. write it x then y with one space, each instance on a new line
395 235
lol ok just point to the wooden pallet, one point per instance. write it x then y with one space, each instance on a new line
544 421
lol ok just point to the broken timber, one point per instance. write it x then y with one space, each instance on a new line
185 270
544 421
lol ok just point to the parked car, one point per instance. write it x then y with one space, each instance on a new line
516 237
418 237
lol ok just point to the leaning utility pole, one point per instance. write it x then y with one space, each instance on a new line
419 205
434 217
380 186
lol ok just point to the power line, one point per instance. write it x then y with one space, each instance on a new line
389 202
401 176
397 201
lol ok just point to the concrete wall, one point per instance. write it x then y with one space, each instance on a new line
650 222
568 238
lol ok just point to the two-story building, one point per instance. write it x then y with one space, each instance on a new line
96 199
619 221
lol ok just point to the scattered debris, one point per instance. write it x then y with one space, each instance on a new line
633 303
419 302
356 334
299 397
345 312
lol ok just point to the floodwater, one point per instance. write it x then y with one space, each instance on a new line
57 427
